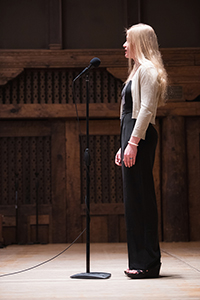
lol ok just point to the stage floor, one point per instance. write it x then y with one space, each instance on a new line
180 273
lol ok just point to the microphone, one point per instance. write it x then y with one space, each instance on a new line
94 63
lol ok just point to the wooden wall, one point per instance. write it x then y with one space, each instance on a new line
76 24
42 146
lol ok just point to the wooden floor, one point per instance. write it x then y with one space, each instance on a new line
180 273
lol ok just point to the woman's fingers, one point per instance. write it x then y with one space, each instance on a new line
129 156
118 158
117 161
119 164
129 161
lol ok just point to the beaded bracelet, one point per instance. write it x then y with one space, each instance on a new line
132 143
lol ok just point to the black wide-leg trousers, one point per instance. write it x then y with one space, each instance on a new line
140 200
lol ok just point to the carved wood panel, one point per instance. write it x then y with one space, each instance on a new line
105 176
32 181
54 86
25 164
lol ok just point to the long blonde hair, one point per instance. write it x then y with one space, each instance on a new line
143 41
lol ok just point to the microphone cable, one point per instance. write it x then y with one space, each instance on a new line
44 262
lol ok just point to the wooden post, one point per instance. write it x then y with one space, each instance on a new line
134 12
55 25
73 181
174 188
58 182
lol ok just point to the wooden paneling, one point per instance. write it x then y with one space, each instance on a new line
24 24
176 170
98 26
35 151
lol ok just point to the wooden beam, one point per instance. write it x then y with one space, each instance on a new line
80 58
14 61
184 74
179 56
71 58
25 128
103 110
179 109
97 110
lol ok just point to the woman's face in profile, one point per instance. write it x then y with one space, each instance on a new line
129 49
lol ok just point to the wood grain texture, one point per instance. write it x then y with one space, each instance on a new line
113 59
58 159
179 273
73 182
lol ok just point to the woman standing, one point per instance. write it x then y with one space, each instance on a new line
143 92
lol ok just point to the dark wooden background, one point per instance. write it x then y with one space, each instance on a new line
42 144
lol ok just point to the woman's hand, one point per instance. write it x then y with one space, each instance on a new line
131 151
118 158
130 155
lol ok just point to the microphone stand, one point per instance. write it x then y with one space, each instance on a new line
88 274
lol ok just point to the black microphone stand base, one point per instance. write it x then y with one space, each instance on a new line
91 275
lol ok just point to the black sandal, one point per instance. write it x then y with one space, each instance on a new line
151 273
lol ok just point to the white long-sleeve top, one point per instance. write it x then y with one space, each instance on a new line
144 90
